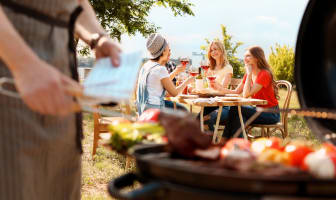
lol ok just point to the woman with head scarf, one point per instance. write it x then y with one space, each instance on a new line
154 79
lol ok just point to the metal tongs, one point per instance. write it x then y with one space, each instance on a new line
85 103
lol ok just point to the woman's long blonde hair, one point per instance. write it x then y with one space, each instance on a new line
212 61
258 53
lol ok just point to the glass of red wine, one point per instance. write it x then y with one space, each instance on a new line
205 66
184 61
211 77
193 73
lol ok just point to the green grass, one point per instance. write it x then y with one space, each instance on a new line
97 172
108 165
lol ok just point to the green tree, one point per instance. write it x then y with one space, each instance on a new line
130 16
231 50
281 60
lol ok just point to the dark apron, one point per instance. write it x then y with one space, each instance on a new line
70 25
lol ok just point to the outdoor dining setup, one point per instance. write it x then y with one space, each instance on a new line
142 124
181 154
193 163
199 131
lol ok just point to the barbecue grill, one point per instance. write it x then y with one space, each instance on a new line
165 176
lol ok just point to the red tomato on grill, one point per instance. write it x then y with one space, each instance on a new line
150 115
297 154
274 143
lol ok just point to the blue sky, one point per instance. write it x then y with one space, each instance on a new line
258 22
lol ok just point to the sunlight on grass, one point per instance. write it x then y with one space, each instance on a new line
97 172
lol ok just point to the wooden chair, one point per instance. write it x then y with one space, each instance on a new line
234 83
268 129
100 125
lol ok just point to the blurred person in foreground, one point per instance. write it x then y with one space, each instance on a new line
40 146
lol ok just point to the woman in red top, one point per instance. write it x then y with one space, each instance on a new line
257 83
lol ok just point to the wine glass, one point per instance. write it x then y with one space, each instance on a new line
180 78
205 66
211 77
193 71
184 61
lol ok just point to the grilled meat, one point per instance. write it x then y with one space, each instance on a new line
183 132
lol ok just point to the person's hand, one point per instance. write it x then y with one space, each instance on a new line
45 90
107 48
215 85
180 68
191 79
248 69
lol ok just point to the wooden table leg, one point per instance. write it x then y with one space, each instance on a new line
174 105
202 118
242 123
190 110
217 136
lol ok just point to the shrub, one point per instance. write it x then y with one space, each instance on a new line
281 60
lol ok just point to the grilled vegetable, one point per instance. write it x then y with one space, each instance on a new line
274 155
126 135
322 163
262 144
297 153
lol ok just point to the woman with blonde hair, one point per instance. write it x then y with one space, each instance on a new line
223 71
258 83
219 63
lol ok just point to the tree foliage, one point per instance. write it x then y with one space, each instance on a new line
130 16
231 50
282 61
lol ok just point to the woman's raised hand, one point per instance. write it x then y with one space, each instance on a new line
180 68
248 69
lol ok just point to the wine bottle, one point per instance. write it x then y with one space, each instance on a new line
199 80
199 76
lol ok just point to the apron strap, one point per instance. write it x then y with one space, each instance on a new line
73 68
74 15
29 12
